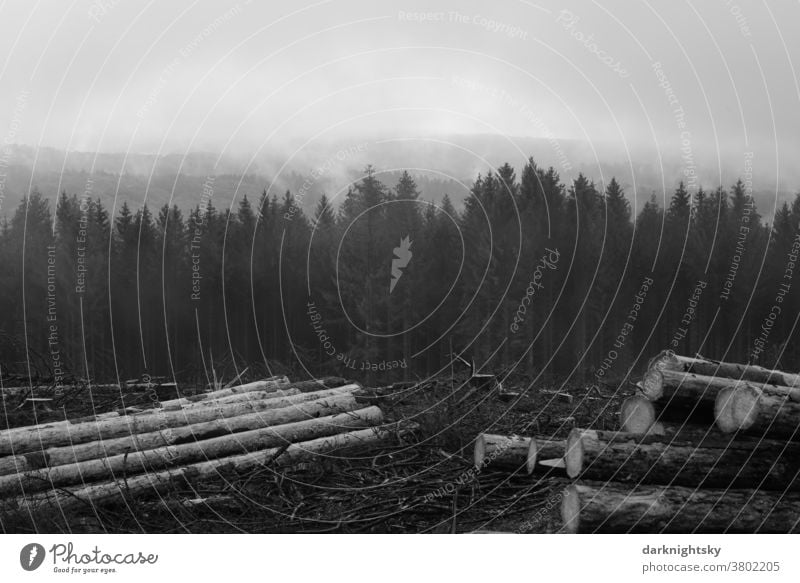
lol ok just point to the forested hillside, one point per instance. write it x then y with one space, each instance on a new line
532 276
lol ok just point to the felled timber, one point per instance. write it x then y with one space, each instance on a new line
273 412
150 460
38 437
716 461
313 451
612 507
668 360
500 451
746 408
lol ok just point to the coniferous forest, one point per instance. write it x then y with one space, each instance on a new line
531 277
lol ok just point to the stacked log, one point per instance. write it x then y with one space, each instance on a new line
752 409
704 446
268 423
65 499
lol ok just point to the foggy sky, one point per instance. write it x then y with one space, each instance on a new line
700 83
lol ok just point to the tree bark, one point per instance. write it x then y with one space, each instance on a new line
137 462
743 372
276 412
746 408
312 451
716 461
600 507
38 437
512 452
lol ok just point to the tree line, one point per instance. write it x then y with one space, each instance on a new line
531 276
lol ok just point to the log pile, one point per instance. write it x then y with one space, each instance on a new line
704 446
270 424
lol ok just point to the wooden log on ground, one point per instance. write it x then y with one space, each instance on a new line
746 408
716 461
274 412
129 464
668 360
685 432
251 391
268 385
254 396
312 451
281 393
641 415
610 507
38 437
637 414
318 384
668 384
512 452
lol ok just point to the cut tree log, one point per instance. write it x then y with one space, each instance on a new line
637 414
254 396
668 360
38 437
513 452
313 451
610 507
717 461
129 464
251 391
672 385
320 384
258 396
275 412
746 408
641 415
518 453
271 384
